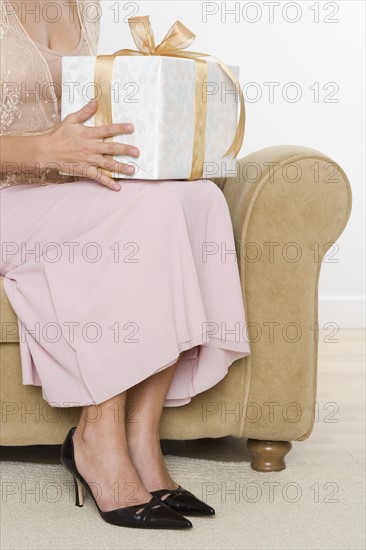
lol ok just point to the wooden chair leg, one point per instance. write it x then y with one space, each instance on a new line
268 456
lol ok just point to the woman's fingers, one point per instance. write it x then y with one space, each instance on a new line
115 166
101 152
109 130
96 174
110 148
83 114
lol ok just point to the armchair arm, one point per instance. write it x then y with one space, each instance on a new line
288 205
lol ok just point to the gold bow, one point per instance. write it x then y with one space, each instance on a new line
177 39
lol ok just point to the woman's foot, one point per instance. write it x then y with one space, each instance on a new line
105 464
146 455
147 458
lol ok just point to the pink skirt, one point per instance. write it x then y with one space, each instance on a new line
112 287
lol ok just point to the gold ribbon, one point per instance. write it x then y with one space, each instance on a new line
177 39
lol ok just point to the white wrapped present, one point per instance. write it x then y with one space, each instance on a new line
157 94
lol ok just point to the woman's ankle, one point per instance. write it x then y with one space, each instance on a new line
143 438
103 437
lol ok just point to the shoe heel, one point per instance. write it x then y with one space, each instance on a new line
79 497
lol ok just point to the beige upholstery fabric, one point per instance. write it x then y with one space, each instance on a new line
290 200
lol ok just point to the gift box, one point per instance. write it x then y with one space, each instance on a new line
173 114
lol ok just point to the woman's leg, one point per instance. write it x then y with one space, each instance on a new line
102 456
144 404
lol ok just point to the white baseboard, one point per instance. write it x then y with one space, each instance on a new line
345 311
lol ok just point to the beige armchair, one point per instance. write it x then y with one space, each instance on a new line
288 205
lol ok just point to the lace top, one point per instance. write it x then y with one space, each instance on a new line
30 90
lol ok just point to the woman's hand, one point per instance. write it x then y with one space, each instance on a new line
78 150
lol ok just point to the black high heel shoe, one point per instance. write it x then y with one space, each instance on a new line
153 514
184 502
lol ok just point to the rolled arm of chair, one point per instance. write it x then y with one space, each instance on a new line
288 205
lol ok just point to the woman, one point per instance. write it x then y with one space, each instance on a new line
120 308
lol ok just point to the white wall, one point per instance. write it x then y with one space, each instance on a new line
322 47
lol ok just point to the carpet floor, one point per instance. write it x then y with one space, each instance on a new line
309 505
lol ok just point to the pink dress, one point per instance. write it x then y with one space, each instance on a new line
110 288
